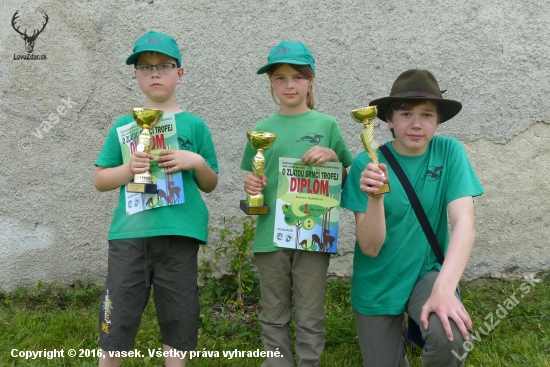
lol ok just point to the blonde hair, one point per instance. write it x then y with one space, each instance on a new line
307 72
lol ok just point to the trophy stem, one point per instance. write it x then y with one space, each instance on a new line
366 115
258 163
367 137
258 169
144 141
143 178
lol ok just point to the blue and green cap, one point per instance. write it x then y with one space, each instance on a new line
289 52
155 42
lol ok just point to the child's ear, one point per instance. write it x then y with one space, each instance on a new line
390 123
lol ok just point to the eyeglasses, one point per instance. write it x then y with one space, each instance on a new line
163 69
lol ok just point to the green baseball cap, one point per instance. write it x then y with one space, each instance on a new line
289 52
155 42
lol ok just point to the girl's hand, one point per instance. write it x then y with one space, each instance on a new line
319 155
140 162
372 178
253 184
179 160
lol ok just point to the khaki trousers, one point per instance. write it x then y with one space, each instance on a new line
300 276
380 337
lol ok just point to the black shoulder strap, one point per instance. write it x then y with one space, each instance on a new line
415 203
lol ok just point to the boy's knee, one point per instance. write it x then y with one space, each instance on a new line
436 337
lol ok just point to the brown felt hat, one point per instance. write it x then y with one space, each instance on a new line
417 85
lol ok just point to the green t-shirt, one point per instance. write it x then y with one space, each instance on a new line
383 285
188 219
296 134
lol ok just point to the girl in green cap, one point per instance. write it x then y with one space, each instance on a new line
287 274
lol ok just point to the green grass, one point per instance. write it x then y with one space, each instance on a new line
51 317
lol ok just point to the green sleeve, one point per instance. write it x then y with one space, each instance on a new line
462 178
207 150
352 197
111 154
339 146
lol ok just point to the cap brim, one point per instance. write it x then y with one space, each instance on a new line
449 108
132 59
266 67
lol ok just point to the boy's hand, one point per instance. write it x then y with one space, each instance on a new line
447 306
179 160
319 155
372 178
253 184
140 162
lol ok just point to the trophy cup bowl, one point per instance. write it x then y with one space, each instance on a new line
366 115
146 118
260 141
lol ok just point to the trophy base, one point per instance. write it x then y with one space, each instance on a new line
144 188
254 210
385 189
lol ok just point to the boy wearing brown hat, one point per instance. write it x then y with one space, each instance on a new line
395 269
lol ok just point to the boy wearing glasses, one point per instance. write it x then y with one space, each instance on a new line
157 246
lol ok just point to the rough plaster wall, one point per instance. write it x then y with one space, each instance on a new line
490 55
513 216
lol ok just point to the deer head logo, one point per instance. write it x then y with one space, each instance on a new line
29 40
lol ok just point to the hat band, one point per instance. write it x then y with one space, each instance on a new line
417 94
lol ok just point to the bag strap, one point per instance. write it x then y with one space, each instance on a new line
415 203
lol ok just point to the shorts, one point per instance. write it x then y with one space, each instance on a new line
169 263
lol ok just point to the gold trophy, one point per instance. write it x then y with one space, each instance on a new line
254 204
146 118
366 115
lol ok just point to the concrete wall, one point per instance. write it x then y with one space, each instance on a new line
492 56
